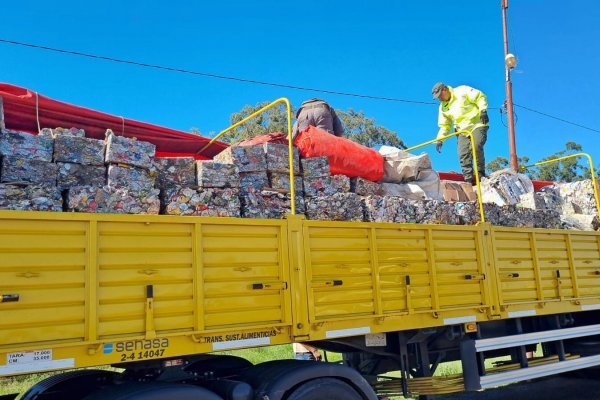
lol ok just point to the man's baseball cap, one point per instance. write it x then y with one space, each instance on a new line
437 90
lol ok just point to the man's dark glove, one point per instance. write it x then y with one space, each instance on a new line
484 117
438 146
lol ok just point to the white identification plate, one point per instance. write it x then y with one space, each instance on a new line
363 330
28 357
31 361
460 320
519 314
375 340
588 307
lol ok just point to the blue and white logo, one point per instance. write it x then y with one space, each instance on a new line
108 348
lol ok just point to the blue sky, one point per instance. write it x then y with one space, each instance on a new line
395 49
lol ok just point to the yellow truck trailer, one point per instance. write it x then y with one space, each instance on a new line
156 294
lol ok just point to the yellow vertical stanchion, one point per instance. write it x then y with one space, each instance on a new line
289 127
593 173
470 134
291 155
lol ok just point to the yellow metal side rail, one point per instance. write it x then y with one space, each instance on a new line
289 129
377 277
470 135
97 289
592 172
84 289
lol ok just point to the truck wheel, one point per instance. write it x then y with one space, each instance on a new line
72 385
324 388
153 391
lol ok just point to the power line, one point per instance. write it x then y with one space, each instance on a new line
557 118
252 81
231 78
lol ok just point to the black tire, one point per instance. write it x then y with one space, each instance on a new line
72 385
324 388
153 391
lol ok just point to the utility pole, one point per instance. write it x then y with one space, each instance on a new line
510 61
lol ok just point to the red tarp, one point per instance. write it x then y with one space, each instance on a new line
345 156
20 114
275 137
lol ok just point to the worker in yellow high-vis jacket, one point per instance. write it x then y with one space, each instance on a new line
463 108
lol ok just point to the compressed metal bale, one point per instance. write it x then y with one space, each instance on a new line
532 201
549 219
268 204
17 169
112 200
73 132
281 181
175 171
30 198
129 151
80 150
505 187
70 174
246 158
23 144
580 222
212 174
337 207
208 202
388 209
315 167
132 178
494 214
550 195
518 217
468 212
258 180
577 197
435 212
365 187
277 156
326 185
511 216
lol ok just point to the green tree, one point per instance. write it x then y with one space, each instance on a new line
197 131
363 130
272 120
499 163
568 170
357 126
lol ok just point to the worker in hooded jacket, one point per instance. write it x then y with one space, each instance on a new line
317 113
463 108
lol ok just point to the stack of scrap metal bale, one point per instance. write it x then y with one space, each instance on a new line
574 201
265 179
128 185
513 202
411 192
203 188
62 170
329 197
28 178
506 196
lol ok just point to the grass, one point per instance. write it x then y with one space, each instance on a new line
19 384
